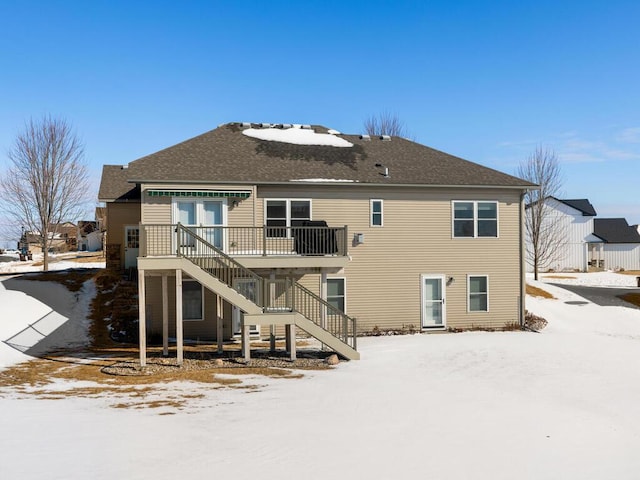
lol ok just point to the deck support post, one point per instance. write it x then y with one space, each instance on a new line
246 343
179 332
142 319
291 340
165 316
272 328
323 296
220 322
272 338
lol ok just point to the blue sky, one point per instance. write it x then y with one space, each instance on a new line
487 81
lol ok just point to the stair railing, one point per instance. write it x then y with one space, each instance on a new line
218 264
270 295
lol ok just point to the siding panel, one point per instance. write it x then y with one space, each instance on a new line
383 278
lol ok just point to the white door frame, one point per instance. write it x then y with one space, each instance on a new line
238 316
199 214
128 252
423 300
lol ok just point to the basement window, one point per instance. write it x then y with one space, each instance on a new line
336 293
192 300
478 288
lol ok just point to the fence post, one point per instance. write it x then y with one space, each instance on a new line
177 232
346 241
345 329
293 296
354 335
264 241
142 240
287 294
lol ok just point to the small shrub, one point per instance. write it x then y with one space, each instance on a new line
534 322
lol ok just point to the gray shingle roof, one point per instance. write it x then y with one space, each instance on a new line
615 230
115 186
226 155
582 205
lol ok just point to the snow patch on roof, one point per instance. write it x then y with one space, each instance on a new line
333 132
322 180
297 136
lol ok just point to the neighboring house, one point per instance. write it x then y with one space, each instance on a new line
62 238
587 241
101 218
619 247
571 221
89 236
228 233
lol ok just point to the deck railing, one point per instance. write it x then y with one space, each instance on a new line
161 240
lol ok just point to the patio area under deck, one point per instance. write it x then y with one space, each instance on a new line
174 266
218 257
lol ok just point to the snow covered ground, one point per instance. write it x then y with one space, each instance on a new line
12 263
595 279
561 404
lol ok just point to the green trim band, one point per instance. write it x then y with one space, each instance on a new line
199 193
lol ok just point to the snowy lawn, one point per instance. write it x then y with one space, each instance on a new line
561 404
11 263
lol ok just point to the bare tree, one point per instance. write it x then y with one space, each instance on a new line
386 123
545 231
46 182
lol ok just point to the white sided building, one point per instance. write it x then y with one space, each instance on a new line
573 223
619 248
587 241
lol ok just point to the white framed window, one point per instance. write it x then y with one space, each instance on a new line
376 212
478 293
281 212
192 300
474 219
337 293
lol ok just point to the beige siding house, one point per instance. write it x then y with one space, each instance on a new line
257 230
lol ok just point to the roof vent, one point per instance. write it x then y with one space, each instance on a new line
285 125
385 173
306 127
124 167
366 138
265 125
385 138
246 124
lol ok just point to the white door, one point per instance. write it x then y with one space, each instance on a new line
131 246
249 289
201 216
433 301
212 213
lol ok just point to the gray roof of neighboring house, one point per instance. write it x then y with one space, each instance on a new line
227 155
615 230
581 204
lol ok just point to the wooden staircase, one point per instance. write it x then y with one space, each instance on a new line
271 303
